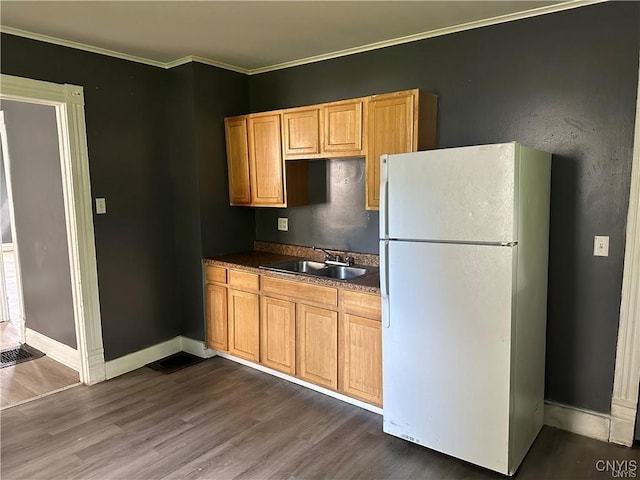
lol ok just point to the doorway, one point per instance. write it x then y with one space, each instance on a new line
67 103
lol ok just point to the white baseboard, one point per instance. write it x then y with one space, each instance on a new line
623 421
577 420
53 348
297 381
135 360
196 347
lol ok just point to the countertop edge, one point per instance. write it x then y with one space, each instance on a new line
362 284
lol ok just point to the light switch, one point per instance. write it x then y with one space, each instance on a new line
601 246
283 224
101 206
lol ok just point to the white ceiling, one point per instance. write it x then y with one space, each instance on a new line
250 36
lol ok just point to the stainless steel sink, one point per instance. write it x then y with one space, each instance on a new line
346 273
320 269
297 266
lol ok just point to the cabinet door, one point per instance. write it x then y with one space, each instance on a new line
391 128
301 133
278 335
318 346
362 358
265 156
216 300
342 132
244 324
237 160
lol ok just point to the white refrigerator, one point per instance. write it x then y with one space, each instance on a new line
464 248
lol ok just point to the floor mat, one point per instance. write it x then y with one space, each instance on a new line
23 353
174 362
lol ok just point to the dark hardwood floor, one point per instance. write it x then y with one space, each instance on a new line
221 420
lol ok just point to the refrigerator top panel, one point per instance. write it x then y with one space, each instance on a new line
465 194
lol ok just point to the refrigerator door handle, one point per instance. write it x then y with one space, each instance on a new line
384 282
384 193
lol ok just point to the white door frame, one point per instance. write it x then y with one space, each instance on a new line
16 259
5 315
68 101
624 402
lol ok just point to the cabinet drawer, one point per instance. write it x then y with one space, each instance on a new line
216 274
365 304
243 280
301 291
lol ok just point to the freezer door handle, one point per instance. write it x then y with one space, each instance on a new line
384 281
384 194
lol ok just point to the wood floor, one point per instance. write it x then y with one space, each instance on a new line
28 380
221 420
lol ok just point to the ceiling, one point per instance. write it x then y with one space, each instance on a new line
248 36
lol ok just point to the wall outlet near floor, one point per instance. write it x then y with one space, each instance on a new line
101 206
283 224
601 246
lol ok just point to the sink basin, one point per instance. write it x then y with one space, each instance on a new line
345 273
297 266
320 269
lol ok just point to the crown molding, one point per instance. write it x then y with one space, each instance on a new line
430 34
206 61
316 58
80 46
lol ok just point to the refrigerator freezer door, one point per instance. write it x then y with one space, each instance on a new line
446 353
463 194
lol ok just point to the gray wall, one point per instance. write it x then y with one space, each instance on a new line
564 83
127 118
36 180
205 224
335 217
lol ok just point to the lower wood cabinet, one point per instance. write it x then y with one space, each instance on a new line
362 358
317 354
278 335
327 336
244 324
217 332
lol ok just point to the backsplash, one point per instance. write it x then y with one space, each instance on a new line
367 259
335 217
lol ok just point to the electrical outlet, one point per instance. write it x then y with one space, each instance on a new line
601 246
101 206
283 224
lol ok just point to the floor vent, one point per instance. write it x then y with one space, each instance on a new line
23 353
174 362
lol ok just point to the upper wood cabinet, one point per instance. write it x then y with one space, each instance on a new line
343 128
397 122
267 152
258 175
265 160
330 130
301 133
238 160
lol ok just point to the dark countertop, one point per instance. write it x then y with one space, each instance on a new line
251 261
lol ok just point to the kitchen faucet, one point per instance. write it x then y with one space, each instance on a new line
330 259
